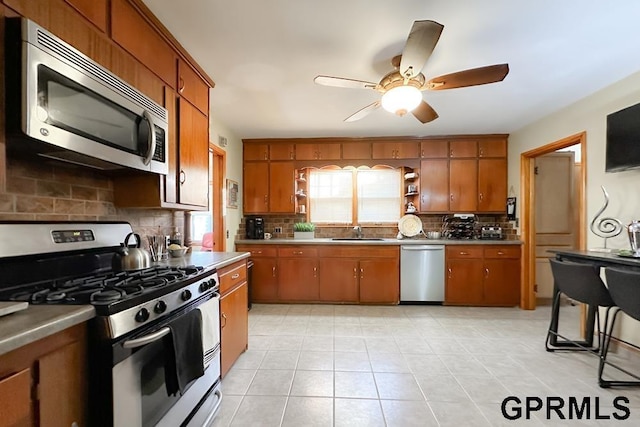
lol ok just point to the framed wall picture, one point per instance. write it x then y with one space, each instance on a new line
232 194
511 208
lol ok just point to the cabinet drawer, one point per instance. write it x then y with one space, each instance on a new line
15 395
232 275
258 251
502 252
351 251
297 252
461 252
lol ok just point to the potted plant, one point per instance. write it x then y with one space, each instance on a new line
304 230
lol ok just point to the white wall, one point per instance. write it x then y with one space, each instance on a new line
589 114
233 171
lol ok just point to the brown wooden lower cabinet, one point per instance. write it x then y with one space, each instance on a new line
324 273
45 383
380 281
234 316
483 275
339 280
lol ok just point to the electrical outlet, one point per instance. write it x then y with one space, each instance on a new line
277 230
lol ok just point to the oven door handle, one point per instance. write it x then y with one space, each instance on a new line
139 342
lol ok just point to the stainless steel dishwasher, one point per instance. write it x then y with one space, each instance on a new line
422 273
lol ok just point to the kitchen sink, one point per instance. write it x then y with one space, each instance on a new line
358 238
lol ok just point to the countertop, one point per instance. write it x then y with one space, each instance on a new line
39 321
387 242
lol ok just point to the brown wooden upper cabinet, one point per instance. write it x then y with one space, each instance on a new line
192 87
492 148
395 150
94 10
193 161
356 151
268 152
463 148
131 31
281 152
434 149
255 151
492 185
321 151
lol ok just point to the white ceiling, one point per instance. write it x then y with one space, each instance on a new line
263 56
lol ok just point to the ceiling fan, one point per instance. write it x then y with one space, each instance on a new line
401 88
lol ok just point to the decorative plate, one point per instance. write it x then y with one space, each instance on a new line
410 225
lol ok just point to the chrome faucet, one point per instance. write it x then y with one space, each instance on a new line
358 230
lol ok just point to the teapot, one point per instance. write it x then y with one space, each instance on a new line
131 257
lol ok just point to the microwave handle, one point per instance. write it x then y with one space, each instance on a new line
152 137
147 339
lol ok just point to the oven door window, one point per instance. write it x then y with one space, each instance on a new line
65 104
139 388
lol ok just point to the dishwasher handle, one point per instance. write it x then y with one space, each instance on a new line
423 248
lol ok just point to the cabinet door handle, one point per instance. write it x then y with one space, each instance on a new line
422 153
273 271
451 153
224 316
266 199
183 177
181 87
355 273
266 156
464 253
481 197
292 199
256 252
486 273
481 152
315 271
449 271
235 276
362 273
290 155
451 197
500 253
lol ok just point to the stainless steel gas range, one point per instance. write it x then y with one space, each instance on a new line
154 350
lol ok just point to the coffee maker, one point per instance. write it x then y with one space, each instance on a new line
255 227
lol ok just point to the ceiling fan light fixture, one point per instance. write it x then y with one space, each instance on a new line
401 99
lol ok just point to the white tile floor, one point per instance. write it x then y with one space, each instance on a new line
326 365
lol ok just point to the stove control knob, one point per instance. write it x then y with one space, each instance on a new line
142 315
204 286
160 307
212 283
186 295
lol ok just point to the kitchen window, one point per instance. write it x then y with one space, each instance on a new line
355 196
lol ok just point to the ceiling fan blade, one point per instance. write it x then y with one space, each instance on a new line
363 112
422 40
424 112
342 82
472 77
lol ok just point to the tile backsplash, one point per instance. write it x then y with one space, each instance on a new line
38 189
429 222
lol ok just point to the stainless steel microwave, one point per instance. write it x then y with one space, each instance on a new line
82 112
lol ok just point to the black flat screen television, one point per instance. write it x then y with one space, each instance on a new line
623 140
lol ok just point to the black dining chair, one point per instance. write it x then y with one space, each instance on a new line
624 287
582 283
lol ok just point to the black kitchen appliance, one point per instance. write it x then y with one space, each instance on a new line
460 227
491 232
255 227
137 313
